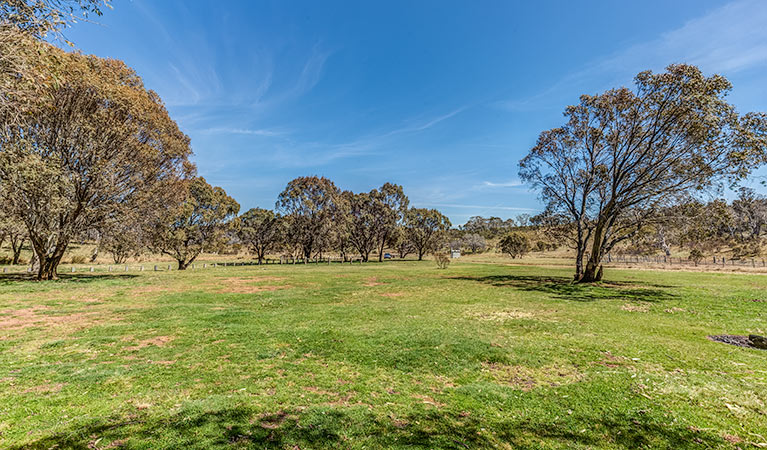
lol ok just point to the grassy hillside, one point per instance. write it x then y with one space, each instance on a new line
393 355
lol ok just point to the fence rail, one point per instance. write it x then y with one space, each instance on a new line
714 261
165 267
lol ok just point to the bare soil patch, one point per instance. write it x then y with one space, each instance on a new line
50 388
372 281
157 341
38 316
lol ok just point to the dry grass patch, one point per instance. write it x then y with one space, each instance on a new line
42 316
48 388
500 316
157 341
372 281
528 378
633 307
392 294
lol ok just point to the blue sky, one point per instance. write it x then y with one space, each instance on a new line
441 97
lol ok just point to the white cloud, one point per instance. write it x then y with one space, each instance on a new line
245 131
726 40
502 184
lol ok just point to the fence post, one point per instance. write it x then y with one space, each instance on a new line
155 268
73 269
126 268
91 269
141 269
168 266
109 268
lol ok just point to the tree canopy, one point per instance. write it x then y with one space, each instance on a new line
94 142
201 219
625 153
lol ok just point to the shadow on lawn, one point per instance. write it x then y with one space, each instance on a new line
337 427
13 278
565 288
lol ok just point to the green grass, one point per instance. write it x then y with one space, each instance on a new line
394 355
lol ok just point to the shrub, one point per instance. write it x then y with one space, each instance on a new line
78 259
696 256
442 260
515 244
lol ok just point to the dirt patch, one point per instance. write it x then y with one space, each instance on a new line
428 400
674 310
272 421
45 389
157 341
372 281
39 316
733 339
612 361
633 307
528 378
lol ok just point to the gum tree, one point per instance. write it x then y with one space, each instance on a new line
424 229
625 154
93 143
310 208
201 220
261 230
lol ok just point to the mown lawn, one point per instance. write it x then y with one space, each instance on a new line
394 355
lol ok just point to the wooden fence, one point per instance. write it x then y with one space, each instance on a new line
113 268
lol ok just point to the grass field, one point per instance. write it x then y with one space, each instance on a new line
394 355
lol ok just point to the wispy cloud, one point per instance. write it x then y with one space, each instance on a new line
502 184
727 40
484 207
424 125
245 131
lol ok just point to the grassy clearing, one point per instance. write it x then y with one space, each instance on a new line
382 356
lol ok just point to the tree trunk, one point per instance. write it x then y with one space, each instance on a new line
381 250
49 265
420 255
48 268
593 271
182 265
16 251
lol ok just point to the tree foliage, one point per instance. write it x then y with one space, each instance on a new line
98 142
310 206
515 244
261 230
623 155
198 222
425 228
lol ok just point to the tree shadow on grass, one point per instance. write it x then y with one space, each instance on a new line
19 278
565 288
329 427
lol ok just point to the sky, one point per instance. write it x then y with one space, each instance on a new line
442 97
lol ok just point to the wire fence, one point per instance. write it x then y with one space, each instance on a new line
166 267
714 261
